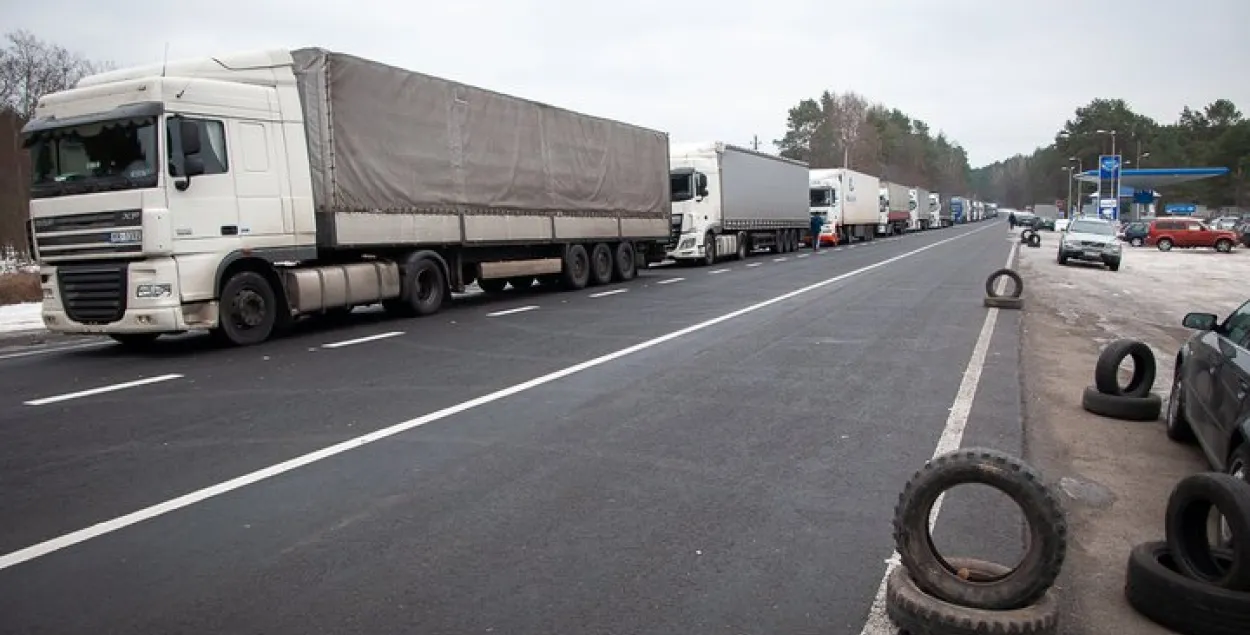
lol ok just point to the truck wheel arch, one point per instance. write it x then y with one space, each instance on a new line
427 254
236 262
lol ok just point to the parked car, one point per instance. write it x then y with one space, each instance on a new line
1243 233
1135 233
1210 398
1091 240
1044 223
1166 233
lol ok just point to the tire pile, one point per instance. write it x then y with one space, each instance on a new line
932 595
1183 582
1131 402
1010 301
1030 238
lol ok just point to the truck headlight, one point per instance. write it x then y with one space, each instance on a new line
151 291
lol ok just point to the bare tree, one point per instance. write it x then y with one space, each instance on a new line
31 68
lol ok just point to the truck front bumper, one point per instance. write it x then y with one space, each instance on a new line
686 249
86 298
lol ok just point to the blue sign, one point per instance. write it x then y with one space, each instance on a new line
1181 209
1109 166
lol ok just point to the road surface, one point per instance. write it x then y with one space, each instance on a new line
699 450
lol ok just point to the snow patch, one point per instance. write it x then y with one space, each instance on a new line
27 316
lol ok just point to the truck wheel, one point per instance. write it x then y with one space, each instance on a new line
492 285
709 250
793 240
426 287
601 264
742 246
576 272
248 310
626 262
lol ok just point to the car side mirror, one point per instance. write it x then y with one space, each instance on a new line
1200 321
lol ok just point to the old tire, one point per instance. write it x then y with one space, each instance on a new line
1107 369
1145 408
1003 303
1047 526
1017 284
1035 240
248 310
1189 507
1159 592
576 273
600 264
625 265
1024 236
915 611
427 287
1176 423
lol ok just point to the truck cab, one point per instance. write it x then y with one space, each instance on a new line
935 209
826 203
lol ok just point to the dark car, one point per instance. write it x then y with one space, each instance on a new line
1135 233
1210 399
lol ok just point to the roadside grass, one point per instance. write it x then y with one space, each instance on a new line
16 288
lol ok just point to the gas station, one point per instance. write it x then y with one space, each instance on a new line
1139 184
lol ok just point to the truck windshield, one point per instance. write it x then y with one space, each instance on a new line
681 185
111 155
823 197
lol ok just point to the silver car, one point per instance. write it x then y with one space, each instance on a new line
1091 240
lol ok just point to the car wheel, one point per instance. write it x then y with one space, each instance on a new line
1223 245
1177 425
1165 244
1136 242
1113 265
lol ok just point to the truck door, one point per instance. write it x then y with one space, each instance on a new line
261 211
206 210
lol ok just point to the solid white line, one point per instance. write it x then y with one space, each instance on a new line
603 294
520 309
102 389
804 255
186 500
878 622
755 264
670 280
779 259
360 340
717 271
56 349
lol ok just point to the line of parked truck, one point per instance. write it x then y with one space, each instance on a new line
238 193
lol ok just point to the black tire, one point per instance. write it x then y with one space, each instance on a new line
1024 236
709 251
915 611
626 262
600 264
135 341
1107 369
1223 245
1047 526
248 310
1177 424
793 239
1004 303
576 273
1062 259
1145 408
742 246
1017 283
1114 265
427 287
1136 242
1190 607
1035 240
492 285
1164 244
1189 508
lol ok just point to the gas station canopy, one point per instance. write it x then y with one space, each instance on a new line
1155 178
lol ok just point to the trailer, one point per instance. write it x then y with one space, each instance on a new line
308 182
847 200
959 210
894 215
918 207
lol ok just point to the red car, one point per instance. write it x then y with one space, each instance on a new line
1166 233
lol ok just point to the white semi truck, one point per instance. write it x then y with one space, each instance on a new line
235 193
935 210
846 199
918 208
894 214
728 201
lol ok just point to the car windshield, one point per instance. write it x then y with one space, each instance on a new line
110 155
1091 227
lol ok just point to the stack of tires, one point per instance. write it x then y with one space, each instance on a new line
1030 237
932 595
1133 401
1012 299
1185 583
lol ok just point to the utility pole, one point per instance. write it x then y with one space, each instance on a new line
755 143
1068 212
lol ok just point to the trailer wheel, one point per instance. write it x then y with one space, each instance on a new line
793 240
426 287
626 262
742 246
576 272
248 310
601 264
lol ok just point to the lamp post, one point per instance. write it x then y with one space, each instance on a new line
1080 169
1110 132
1067 213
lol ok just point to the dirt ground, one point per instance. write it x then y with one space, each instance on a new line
1115 475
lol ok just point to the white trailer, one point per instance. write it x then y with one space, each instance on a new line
237 192
848 200
894 214
728 201
918 207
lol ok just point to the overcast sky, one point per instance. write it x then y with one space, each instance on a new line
998 77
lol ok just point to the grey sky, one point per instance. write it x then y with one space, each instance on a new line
998 77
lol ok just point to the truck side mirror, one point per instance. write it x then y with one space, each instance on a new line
190 137
701 185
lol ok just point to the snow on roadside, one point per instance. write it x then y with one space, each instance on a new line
15 318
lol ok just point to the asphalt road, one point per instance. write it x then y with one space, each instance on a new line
733 471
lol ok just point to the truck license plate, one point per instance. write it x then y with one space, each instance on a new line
132 236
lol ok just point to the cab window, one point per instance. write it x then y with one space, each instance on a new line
1237 326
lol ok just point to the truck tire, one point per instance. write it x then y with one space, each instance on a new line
1017 284
915 611
248 310
1189 507
1047 526
709 249
1120 407
427 287
1107 369
492 285
1155 588
742 246
626 267
600 264
779 243
576 272
792 240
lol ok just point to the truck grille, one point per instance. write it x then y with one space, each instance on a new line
90 236
94 293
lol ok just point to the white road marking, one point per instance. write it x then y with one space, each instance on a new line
604 294
520 309
361 340
779 259
109 526
54 349
804 255
102 389
952 436
755 264
669 280
717 271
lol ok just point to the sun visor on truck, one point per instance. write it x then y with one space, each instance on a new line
137 111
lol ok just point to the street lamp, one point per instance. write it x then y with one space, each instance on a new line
1080 169
1067 213
1112 133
